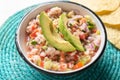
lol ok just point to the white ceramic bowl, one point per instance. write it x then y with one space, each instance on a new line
67 6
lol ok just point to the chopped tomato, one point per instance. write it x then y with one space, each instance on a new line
78 65
42 64
62 57
47 10
94 30
75 57
34 27
83 36
96 49
33 34
42 58
73 29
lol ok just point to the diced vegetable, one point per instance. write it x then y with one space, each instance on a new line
42 64
62 57
36 59
75 57
70 25
33 42
90 23
96 48
34 27
84 59
98 32
47 10
94 30
38 62
44 47
48 64
83 36
90 27
46 43
78 65
55 66
33 34
57 30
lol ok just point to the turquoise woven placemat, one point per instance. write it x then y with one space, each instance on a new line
13 67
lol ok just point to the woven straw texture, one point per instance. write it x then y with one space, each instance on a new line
13 67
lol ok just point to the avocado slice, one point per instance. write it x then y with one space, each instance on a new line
53 37
67 34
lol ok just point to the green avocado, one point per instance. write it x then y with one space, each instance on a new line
53 37
67 34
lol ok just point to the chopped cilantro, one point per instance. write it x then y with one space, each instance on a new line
33 42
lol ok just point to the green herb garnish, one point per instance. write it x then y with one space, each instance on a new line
70 25
90 24
33 42
90 27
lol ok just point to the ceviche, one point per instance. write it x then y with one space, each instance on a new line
61 40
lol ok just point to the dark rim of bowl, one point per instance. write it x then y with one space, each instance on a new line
102 51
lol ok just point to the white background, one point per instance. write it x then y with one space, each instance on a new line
9 7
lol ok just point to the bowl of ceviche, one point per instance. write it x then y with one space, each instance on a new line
61 37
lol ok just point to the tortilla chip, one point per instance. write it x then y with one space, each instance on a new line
100 6
113 35
113 18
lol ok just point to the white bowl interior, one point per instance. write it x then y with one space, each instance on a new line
67 7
